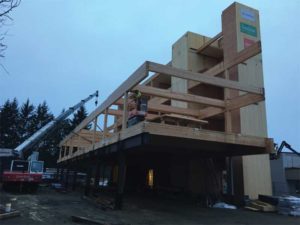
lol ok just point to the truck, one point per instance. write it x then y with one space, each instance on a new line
26 174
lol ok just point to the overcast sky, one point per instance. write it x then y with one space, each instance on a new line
61 51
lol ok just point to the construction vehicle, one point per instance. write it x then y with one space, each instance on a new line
27 174
278 150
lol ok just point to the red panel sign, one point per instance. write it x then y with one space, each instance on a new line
248 42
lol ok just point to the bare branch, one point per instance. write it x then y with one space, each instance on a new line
6 6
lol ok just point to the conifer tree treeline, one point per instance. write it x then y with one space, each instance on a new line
17 123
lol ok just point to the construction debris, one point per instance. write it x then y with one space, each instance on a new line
103 203
223 205
257 205
81 219
289 205
6 212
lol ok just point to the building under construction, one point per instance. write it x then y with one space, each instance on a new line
196 125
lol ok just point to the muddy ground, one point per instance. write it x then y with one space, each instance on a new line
52 208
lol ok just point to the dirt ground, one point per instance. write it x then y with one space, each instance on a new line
52 208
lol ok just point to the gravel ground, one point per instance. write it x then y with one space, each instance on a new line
52 208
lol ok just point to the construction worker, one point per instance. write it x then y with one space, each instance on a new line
137 108
137 99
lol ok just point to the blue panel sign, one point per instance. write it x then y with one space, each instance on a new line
247 14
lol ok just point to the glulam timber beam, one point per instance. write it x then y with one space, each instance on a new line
166 93
203 78
241 57
244 100
232 104
140 74
208 43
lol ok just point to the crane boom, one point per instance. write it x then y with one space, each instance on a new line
49 127
279 149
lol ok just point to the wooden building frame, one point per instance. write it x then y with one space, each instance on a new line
191 110
212 106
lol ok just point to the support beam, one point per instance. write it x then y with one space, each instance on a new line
151 78
244 100
125 111
74 180
94 130
229 177
61 175
87 187
180 96
140 74
209 112
227 116
115 112
242 56
57 173
236 103
97 175
121 179
67 178
172 109
105 123
208 43
201 77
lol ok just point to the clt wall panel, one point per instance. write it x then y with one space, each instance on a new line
243 22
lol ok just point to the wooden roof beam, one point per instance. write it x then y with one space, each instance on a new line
172 109
204 78
242 56
180 96
236 103
244 100
154 76
140 74
208 43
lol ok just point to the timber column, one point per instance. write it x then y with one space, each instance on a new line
240 27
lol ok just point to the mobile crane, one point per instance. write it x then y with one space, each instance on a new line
28 173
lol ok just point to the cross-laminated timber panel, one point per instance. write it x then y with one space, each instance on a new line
241 28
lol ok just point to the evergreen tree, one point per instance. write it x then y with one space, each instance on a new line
42 115
79 116
27 116
9 124
18 124
50 150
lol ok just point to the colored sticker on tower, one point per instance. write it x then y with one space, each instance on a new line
248 29
247 14
248 42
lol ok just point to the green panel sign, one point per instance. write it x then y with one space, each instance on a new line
248 29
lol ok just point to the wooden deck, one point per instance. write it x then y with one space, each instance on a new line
179 138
